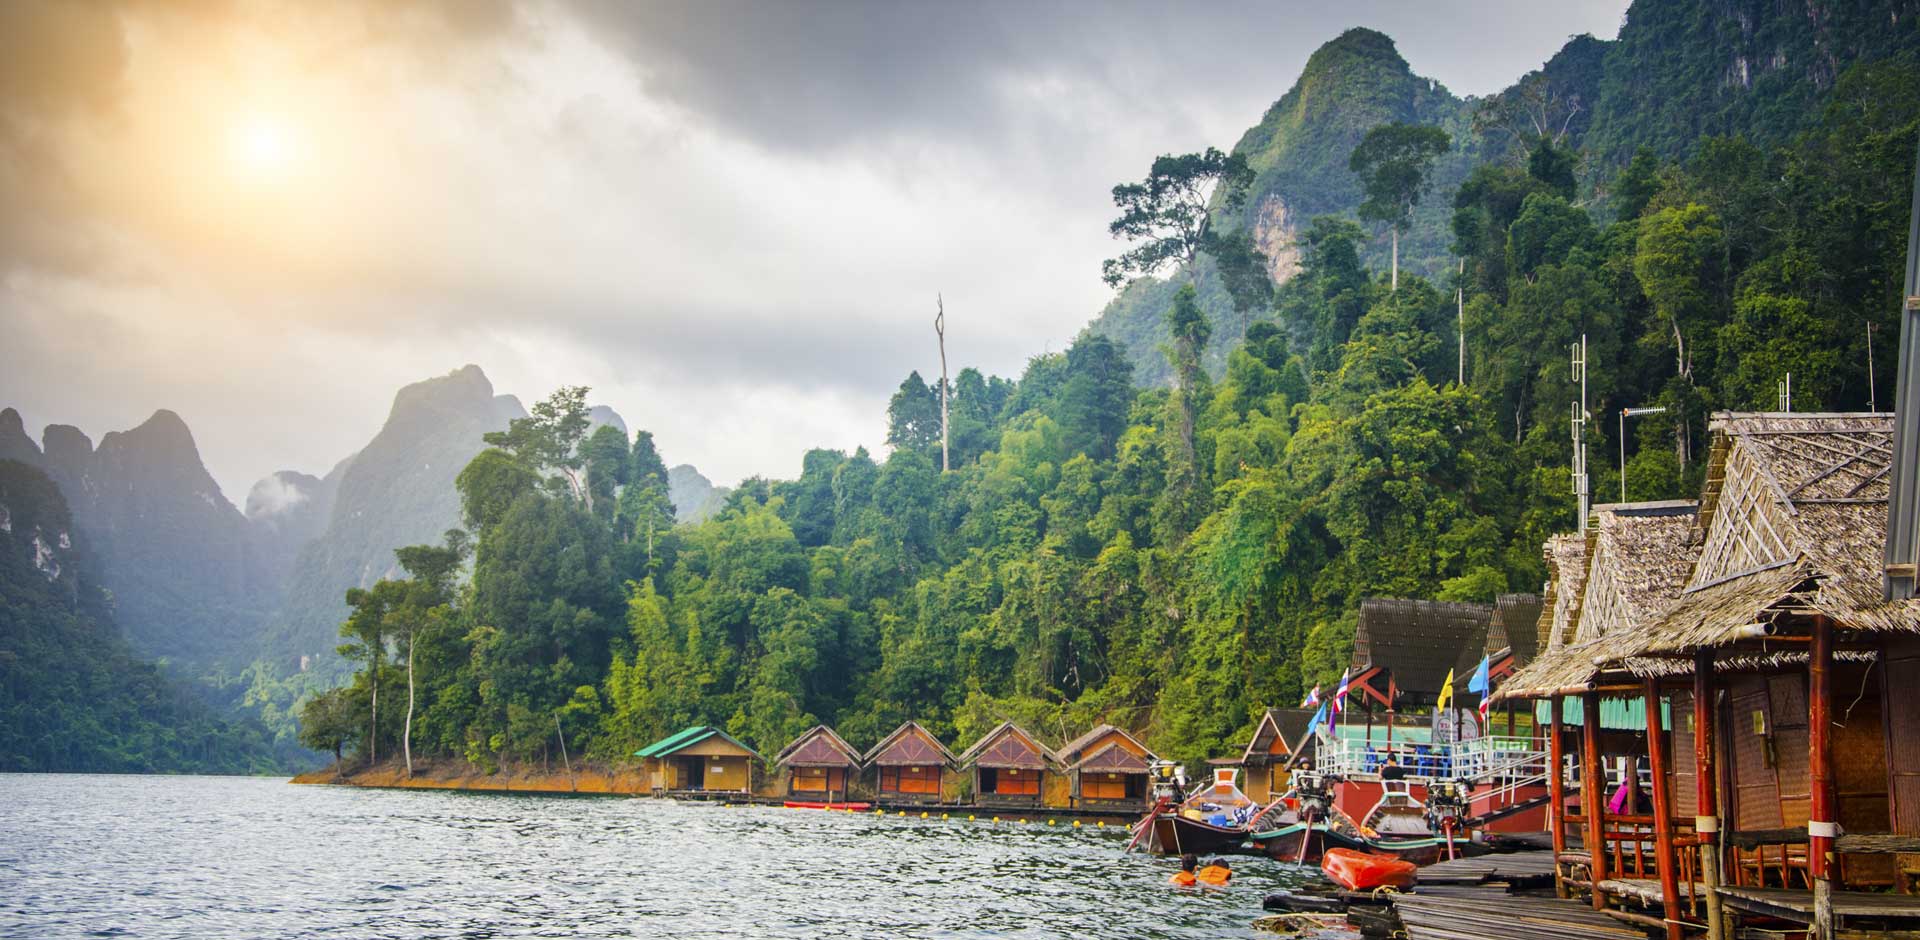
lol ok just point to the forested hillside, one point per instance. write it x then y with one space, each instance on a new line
1681 73
1171 559
73 696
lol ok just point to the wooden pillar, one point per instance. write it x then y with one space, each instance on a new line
1822 823
1593 796
1664 851
1706 820
1390 697
1556 794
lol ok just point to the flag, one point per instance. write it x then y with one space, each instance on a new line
1446 692
1479 681
1340 694
1318 717
1486 705
1313 697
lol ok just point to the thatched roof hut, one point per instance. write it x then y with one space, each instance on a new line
1514 628
1637 558
1793 521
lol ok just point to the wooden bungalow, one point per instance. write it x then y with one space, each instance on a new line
1791 811
820 765
910 763
1279 732
700 759
1107 768
1009 767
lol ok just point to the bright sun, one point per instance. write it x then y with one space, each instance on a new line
263 146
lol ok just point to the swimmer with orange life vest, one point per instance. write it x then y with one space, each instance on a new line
1214 874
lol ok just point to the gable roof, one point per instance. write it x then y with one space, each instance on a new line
1085 748
1009 745
818 746
687 738
1419 641
1515 627
1566 556
1111 757
1636 562
911 744
1286 724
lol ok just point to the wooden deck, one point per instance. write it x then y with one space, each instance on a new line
1490 913
1526 869
1797 906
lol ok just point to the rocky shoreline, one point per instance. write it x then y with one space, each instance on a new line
463 776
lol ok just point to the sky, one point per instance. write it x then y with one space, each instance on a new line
730 220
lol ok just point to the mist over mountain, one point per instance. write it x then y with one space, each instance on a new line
74 696
694 496
187 580
397 490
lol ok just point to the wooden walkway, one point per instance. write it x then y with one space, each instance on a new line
1521 869
1490 913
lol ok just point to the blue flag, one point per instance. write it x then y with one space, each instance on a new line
1318 717
1479 681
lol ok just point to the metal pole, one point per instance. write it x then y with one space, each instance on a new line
1903 500
1623 455
1822 822
1593 798
1664 852
1706 820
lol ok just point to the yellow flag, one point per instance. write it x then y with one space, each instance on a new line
1446 692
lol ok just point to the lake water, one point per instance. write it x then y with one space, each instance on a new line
203 857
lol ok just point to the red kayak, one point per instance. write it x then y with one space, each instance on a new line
847 807
1358 871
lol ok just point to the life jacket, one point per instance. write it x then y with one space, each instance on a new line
1215 874
1182 878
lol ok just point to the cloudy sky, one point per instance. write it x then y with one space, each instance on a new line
729 219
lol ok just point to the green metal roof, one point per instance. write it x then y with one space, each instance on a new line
688 738
685 738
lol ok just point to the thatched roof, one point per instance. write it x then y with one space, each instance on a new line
1822 481
1420 641
1792 522
1566 581
1515 627
819 746
1638 556
1288 725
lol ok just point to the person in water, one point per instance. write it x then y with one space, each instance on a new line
1185 876
1215 873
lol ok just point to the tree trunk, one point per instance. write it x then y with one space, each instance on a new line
406 733
373 731
1396 258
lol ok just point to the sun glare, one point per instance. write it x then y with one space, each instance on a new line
263 146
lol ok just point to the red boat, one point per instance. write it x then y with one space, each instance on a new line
847 807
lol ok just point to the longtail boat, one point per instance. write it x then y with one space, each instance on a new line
1213 819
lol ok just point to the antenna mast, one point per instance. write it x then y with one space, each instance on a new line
940 330
1580 490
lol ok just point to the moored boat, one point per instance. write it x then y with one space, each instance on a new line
1213 819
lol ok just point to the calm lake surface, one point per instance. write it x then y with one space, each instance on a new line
111 856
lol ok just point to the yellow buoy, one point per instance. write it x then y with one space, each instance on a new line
879 812
1049 822
996 819
969 817
903 812
943 815
923 815
1076 824
1102 824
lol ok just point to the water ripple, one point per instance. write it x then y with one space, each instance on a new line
198 857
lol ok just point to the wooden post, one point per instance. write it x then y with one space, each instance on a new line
1664 851
1593 796
1556 794
1822 822
1706 820
1392 693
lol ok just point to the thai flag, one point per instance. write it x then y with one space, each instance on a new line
1340 695
1313 697
1486 706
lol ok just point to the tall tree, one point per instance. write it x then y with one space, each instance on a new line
549 439
1166 215
1393 161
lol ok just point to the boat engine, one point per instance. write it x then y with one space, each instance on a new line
1314 792
1447 807
1169 781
